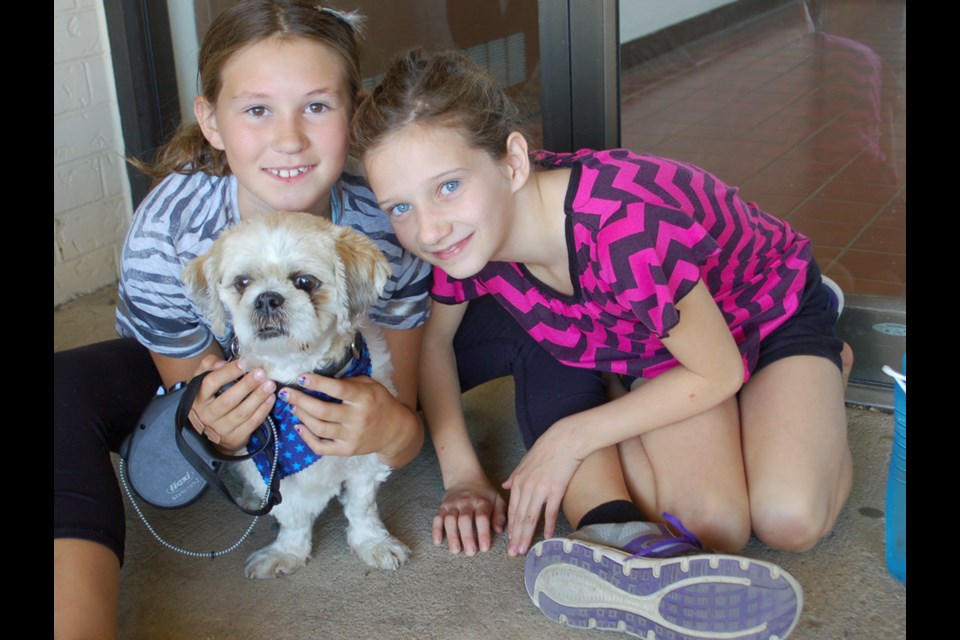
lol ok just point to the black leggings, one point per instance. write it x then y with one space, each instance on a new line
100 390
490 344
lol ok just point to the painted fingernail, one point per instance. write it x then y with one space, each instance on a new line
298 429
302 380
284 395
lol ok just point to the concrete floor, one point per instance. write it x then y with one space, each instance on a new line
848 592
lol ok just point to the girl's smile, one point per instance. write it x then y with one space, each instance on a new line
453 250
291 175
282 119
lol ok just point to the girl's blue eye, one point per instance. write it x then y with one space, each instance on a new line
449 187
317 107
400 209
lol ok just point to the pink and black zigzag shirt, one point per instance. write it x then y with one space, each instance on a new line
641 232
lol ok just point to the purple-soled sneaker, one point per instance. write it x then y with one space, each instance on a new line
647 582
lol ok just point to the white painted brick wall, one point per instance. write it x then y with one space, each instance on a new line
91 192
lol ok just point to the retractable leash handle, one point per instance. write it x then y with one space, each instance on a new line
209 473
172 476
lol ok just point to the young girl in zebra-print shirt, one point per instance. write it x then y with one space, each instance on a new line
709 314
279 80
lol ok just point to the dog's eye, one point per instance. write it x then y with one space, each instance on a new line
240 283
306 282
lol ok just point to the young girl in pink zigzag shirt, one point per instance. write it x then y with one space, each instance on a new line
708 316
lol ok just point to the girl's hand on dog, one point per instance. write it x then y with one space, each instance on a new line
368 420
228 419
468 506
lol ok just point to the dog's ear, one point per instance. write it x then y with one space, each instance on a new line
363 271
201 277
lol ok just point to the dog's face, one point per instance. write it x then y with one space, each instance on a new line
292 283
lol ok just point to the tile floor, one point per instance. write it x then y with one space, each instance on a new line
810 123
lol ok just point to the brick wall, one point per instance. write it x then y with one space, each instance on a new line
91 201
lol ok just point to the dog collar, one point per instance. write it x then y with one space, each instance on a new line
293 454
356 356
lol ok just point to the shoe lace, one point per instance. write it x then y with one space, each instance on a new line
665 544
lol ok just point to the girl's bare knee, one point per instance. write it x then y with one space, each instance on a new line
727 531
790 526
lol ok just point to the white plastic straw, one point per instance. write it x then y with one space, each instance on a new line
896 375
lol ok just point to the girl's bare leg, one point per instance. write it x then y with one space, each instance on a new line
693 470
597 481
86 587
797 458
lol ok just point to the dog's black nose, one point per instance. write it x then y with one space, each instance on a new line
268 303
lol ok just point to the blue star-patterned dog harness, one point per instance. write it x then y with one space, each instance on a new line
293 454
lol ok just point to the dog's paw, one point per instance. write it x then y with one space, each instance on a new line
386 553
270 563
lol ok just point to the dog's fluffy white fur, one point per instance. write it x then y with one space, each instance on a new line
297 288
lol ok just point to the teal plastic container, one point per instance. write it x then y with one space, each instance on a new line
896 521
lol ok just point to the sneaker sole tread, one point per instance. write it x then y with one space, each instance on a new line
708 596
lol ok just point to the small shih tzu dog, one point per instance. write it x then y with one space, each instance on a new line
297 289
